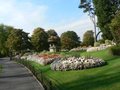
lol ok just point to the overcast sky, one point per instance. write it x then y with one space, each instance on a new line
61 15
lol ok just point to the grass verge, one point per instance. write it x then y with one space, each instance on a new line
101 78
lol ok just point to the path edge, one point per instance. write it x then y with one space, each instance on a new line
32 74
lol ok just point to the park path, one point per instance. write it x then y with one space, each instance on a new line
16 77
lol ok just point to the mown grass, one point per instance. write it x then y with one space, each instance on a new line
102 78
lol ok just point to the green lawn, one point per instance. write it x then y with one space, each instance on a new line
102 78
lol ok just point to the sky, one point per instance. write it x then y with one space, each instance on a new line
60 15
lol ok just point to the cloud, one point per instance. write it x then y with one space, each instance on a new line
80 26
26 15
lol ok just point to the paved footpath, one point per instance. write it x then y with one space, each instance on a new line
16 77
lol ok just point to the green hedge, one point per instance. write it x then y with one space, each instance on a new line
115 50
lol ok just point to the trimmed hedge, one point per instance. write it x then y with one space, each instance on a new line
115 50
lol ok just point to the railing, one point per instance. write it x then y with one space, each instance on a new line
47 84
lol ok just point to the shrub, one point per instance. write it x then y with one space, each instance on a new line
96 44
108 42
101 41
115 50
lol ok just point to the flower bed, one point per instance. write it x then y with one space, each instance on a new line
78 49
73 63
43 59
47 56
101 47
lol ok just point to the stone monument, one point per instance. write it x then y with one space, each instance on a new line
52 48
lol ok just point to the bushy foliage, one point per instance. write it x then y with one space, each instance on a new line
115 50
101 41
108 42
96 44
4 33
88 38
39 40
105 11
18 40
69 40
115 28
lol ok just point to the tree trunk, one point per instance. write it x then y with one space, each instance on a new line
11 55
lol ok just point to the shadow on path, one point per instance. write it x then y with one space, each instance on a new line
16 77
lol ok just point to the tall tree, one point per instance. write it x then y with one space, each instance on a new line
18 40
39 39
69 40
26 41
4 32
88 7
105 11
115 28
88 38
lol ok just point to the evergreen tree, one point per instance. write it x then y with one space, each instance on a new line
115 28
105 11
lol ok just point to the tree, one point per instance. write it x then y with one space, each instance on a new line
115 28
88 7
4 32
88 38
26 41
18 40
53 38
105 11
69 40
39 40
52 32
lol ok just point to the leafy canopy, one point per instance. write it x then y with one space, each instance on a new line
115 28
4 32
69 40
18 40
39 39
88 38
